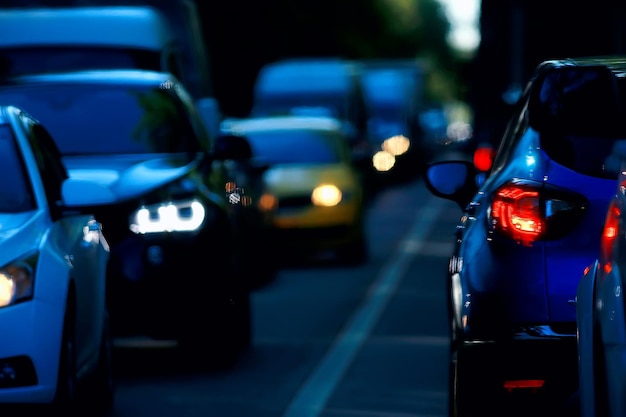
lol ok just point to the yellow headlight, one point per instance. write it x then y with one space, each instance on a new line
326 195
16 283
383 161
396 145
7 290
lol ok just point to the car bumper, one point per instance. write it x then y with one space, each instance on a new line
535 362
318 227
29 352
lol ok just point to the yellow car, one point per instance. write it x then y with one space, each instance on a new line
313 192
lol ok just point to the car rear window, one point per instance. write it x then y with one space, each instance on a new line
295 146
588 127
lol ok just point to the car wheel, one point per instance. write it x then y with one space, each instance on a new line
601 400
472 388
65 400
100 387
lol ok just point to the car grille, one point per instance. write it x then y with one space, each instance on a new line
295 201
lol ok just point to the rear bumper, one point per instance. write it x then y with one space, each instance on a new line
536 362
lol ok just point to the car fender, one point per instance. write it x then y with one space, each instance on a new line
608 316
584 319
609 306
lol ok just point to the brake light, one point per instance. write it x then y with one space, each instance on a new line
529 211
532 384
483 157
610 232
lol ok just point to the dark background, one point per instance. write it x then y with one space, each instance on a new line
243 35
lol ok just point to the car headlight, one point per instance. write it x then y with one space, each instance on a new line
396 145
383 161
326 195
17 281
173 216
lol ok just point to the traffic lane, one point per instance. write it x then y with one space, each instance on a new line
296 319
402 366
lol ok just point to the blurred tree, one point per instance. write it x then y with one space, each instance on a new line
243 35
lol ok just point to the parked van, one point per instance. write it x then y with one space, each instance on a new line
110 35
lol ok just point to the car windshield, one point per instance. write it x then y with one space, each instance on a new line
295 147
16 194
38 60
90 119
280 104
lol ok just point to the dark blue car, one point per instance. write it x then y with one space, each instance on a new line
530 226
183 252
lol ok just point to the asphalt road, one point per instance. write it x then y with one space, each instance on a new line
329 341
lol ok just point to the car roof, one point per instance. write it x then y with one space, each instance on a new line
616 63
137 77
307 74
115 26
256 124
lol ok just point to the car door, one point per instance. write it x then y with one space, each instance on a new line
79 238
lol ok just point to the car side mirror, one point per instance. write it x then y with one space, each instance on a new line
233 147
452 180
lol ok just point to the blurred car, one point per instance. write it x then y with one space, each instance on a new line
317 86
37 40
529 227
601 314
313 191
176 271
53 317
394 124
56 36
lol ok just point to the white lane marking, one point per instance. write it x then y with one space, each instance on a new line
310 400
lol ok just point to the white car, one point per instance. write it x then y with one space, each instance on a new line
601 314
53 256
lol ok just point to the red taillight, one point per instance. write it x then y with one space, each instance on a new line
610 231
516 212
532 384
483 157
528 211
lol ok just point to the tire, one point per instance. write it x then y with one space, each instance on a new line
65 400
473 390
601 400
452 387
100 386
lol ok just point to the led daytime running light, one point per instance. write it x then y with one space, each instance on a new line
169 217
